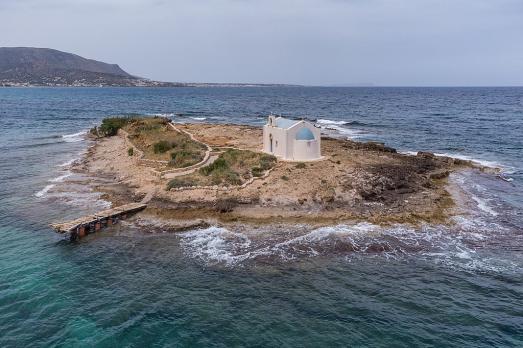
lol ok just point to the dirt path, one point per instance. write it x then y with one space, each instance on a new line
210 160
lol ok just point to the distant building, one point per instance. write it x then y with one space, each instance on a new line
291 140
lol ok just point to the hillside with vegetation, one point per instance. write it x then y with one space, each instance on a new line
28 66
156 139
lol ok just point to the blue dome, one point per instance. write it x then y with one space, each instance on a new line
304 134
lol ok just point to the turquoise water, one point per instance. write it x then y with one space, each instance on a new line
344 285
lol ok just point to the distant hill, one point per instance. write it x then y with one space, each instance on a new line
27 66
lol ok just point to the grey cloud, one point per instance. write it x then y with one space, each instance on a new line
388 42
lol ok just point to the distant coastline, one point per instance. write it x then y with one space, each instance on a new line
45 67
143 83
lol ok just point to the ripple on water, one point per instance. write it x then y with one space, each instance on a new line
345 285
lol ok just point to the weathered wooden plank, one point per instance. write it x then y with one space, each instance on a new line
69 226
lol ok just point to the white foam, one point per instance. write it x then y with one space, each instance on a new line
349 133
410 153
199 118
61 177
74 137
322 233
44 191
454 247
162 114
482 204
352 133
68 163
464 253
215 245
76 199
481 162
330 122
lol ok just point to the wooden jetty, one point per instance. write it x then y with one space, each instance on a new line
92 223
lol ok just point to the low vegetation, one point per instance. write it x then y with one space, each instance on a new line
162 146
159 141
185 158
233 167
111 125
181 182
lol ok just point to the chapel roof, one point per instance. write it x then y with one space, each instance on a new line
285 122
304 134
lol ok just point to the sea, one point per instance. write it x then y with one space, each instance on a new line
345 285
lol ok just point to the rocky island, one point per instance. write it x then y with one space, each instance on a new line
216 174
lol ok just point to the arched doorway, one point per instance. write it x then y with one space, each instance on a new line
270 146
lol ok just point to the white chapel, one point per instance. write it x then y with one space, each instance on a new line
291 140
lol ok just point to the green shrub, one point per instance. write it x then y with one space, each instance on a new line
111 125
183 158
232 178
219 165
227 177
147 128
221 172
130 151
257 171
301 165
267 161
232 167
232 155
180 182
162 146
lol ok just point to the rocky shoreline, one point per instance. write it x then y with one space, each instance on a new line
356 182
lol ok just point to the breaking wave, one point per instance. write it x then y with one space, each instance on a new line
215 244
483 205
75 137
61 177
326 122
169 114
482 162
44 191
330 122
68 163
458 246
74 189
349 133
341 128
475 240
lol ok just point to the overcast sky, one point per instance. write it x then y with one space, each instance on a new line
313 42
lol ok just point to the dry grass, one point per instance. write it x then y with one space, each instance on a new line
159 141
233 167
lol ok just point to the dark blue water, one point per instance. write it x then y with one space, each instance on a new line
459 285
